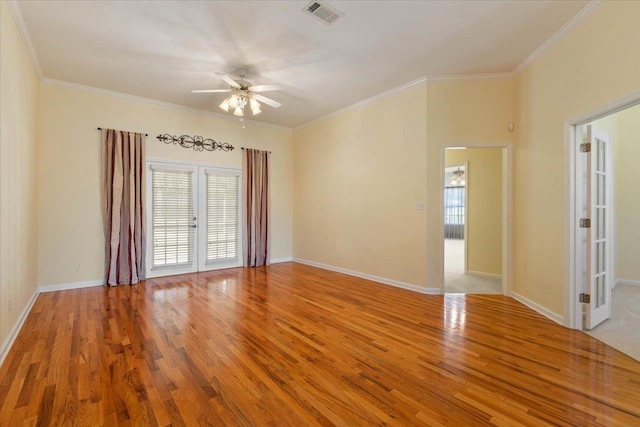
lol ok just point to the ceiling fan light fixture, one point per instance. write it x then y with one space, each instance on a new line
255 106
458 178
243 93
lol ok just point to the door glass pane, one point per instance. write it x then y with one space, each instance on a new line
600 261
601 191
601 214
222 217
172 216
601 293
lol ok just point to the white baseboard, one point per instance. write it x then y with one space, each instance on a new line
8 342
626 282
537 307
481 274
397 284
13 333
279 260
73 285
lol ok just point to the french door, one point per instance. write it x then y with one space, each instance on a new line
193 218
598 232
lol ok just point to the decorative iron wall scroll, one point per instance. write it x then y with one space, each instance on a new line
196 142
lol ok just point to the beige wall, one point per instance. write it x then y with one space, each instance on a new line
594 64
459 113
358 176
18 174
484 192
69 162
626 146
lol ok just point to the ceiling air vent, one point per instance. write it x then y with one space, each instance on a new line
323 12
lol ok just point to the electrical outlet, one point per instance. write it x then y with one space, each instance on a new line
10 305
340 255
78 265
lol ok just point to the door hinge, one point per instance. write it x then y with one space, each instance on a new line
585 148
585 298
585 222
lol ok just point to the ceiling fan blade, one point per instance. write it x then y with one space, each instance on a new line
267 101
211 91
265 88
230 81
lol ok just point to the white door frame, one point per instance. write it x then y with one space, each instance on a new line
572 308
507 209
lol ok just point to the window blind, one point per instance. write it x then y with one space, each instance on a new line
222 217
454 210
173 217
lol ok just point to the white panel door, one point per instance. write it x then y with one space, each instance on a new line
599 274
220 219
172 203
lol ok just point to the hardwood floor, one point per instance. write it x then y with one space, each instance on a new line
295 345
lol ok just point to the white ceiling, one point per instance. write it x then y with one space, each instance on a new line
163 49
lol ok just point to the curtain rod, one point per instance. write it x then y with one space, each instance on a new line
242 148
146 134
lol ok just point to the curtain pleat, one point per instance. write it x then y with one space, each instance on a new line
123 206
257 237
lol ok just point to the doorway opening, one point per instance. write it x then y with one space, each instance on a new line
473 206
607 238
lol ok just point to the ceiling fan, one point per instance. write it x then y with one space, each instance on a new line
243 93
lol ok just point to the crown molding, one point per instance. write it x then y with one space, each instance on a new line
487 76
428 79
591 7
143 100
24 32
364 102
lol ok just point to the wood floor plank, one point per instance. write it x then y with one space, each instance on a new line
293 345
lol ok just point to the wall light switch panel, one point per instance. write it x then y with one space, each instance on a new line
420 206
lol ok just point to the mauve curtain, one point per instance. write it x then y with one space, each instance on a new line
255 183
123 206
